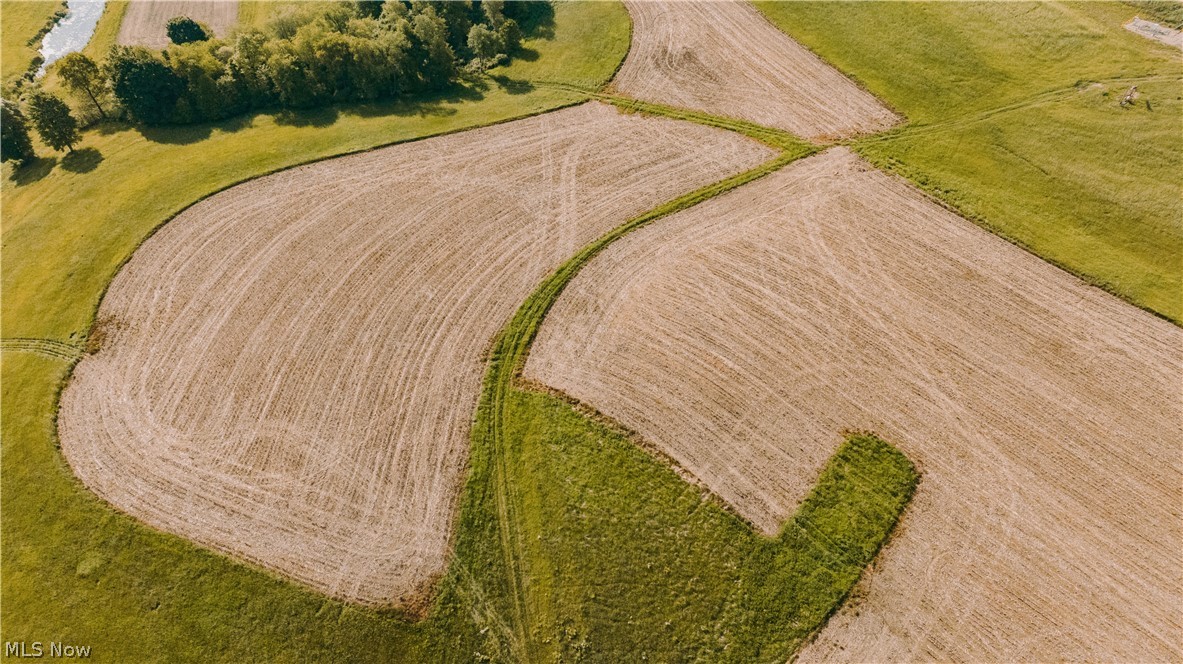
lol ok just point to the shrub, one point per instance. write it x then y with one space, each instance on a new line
184 30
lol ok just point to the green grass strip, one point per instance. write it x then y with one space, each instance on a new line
793 584
776 138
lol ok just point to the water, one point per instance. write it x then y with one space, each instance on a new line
72 32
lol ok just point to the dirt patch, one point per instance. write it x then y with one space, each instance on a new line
1159 33
300 356
704 56
145 20
742 336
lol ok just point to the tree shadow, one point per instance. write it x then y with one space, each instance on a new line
32 170
110 126
82 161
437 104
538 21
474 81
313 117
512 85
526 54
175 134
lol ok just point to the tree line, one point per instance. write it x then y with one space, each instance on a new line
366 50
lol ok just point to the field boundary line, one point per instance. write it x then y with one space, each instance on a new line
776 138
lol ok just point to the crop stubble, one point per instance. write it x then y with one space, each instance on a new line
289 368
725 58
145 21
741 336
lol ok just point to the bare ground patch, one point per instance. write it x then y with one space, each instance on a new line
298 358
741 336
145 20
1156 32
726 59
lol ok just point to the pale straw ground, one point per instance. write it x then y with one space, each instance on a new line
145 21
289 368
725 58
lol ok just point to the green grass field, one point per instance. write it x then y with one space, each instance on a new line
22 21
1014 120
572 541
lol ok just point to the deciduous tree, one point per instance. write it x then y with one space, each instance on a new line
511 36
81 75
437 62
485 44
53 121
15 144
145 85
184 30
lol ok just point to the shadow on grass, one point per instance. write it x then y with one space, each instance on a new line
437 103
537 19
513 86
525 54
176 134
33 170
313 117
82 161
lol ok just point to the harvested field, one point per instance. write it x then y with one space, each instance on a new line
700 56
741 336
288 370
145 20
1159 33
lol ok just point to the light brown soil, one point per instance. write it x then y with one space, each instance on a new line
1159 33
726 59
145 20
289 368
743 335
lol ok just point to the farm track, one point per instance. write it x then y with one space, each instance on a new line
297 389
740 337
47 347
697 55
145 21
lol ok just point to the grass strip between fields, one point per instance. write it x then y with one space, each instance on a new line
776 138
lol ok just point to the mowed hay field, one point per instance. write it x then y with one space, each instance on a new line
703 56
288 370
742 336
145 21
